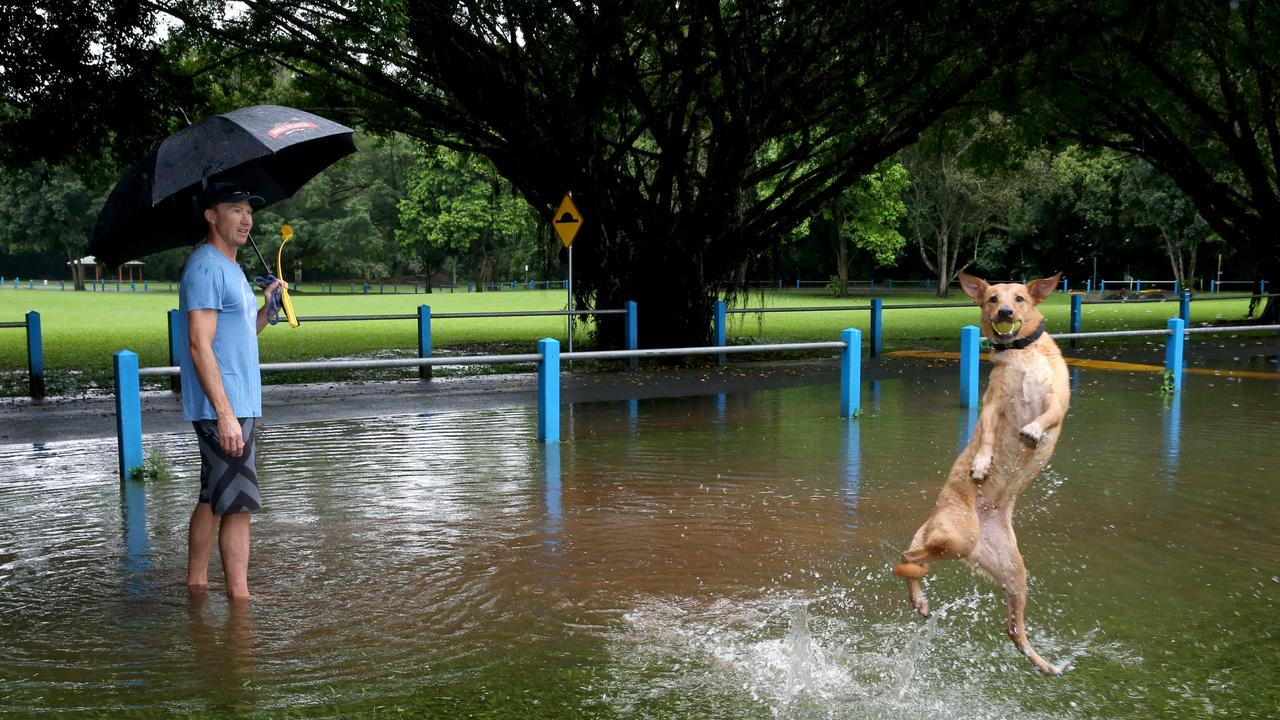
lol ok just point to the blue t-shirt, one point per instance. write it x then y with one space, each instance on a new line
210 281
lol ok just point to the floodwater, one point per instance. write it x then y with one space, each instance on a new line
713 557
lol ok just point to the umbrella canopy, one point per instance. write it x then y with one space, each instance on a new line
270 150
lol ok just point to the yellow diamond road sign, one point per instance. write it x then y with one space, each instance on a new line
567 221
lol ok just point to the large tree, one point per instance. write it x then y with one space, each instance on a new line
692 134
1193 88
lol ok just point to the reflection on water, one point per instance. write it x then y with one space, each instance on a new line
721 556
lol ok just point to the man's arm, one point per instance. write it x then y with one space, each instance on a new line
202 325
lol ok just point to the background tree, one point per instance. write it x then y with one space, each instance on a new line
1153 201
47 209
959 196
1191 88
868 216
458 206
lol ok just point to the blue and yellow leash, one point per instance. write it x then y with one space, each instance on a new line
279 299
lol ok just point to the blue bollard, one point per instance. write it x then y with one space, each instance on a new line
1064 285
1213 286
877 326
1173 352
851 373
633 333
175 350
1176 287
1184 307
35 356
1088 285
1139 290
424 340
1077 308
549 390
721 334
797 283
128 413
969 335
1102 286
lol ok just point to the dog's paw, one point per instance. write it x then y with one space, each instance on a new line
1032 433
981 464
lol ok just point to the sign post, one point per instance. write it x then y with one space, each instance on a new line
567 221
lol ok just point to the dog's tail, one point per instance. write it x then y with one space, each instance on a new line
910 570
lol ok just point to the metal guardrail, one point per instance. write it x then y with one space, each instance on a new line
129 403
512 313
35 353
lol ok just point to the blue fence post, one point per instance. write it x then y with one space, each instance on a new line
549 390
35 356
1102 285
969 365
1139 286
721 335
1184 307
877 326
1176 287
128 413
1077 307
175 352
1088 285
424 340
851 373
633 333
1173 352
1213 286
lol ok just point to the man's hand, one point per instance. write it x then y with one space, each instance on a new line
267 292
230 436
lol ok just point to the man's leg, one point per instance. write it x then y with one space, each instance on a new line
233 543
200 534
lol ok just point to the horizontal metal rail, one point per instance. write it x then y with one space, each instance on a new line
708 350
13 324
1236 328
514 358
369 364
437 316
818 308
1165 331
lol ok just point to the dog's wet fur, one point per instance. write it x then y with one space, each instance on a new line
1022 411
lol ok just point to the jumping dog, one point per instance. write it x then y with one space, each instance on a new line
1022 411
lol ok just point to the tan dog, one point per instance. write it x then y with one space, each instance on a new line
1022 412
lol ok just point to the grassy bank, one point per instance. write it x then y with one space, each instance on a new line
82 330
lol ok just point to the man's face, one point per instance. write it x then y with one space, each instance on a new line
231 222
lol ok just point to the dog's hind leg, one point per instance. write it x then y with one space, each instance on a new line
999 557
914 565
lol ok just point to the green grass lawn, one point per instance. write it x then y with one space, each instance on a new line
82 330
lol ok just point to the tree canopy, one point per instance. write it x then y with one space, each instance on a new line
693 135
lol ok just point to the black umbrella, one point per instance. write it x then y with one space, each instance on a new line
268 149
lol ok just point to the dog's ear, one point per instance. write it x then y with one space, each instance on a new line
974 286
1042 288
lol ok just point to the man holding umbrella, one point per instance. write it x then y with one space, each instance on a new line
222 385
201 185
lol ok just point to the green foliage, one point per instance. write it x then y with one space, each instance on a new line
873 209
154 467
46 210
458 205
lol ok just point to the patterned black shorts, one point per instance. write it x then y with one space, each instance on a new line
228 484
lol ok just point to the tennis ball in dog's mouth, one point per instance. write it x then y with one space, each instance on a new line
1007 328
